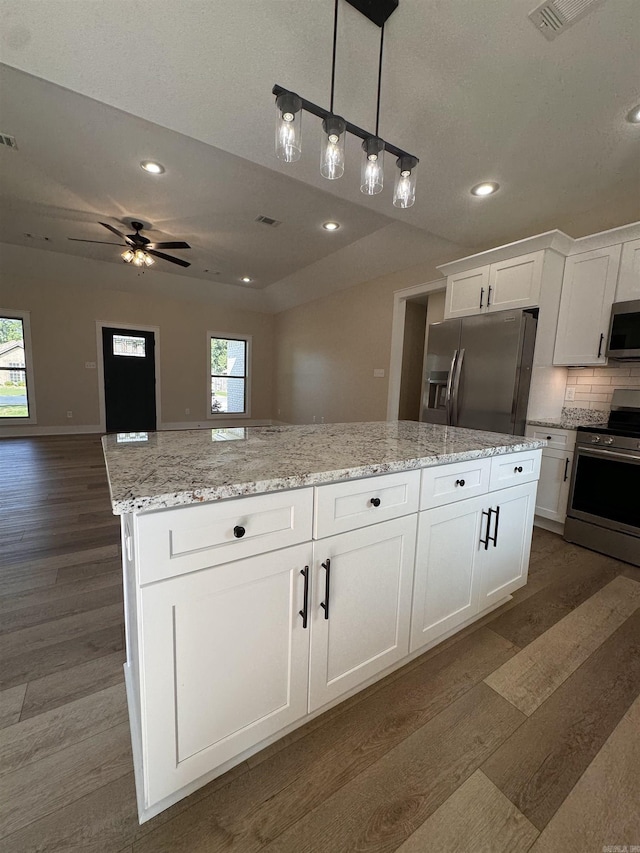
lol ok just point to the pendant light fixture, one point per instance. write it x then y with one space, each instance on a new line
289 107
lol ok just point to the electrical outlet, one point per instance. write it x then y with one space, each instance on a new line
90 365
378 372
570 393
187 411
69 414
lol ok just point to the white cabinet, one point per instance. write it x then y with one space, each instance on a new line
506 284
588 289
225 662
629 278
361 606
555 472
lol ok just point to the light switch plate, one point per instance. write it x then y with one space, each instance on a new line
570 393
378 372
90 365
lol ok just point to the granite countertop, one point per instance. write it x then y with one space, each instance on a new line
572 419
164 469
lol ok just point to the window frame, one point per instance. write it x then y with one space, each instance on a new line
25 317
230 336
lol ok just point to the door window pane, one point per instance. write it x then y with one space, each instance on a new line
228 376
14 398
129 345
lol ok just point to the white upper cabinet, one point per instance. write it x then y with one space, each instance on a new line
515 283
629 278
588 290
467 293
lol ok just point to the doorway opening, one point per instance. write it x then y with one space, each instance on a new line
129 368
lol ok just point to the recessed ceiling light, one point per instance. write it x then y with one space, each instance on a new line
330 226
485 188
633 116
152 167
246 279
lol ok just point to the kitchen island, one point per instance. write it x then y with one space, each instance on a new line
271 572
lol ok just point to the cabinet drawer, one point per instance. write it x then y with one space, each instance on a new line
511 469
352 504
558 439
444 484
175 541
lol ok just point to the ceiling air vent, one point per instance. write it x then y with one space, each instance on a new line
556 16
9 141
267 220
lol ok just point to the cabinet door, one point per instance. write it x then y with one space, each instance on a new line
225 658
553 486
467 293
515 283
445 592
368 586
505 563
588 288
629 278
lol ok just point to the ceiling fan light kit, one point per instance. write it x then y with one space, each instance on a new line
289 108
139 250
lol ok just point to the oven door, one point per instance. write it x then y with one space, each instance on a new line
605 489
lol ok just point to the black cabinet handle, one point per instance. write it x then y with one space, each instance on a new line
459 482
495 530
548 438
375 501
481 296
327 581
600 344
485 541
305 606
566 470
517 469
239 531
489 296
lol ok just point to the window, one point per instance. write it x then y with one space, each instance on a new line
229 359
16 375
129 345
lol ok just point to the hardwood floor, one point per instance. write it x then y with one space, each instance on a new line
522 733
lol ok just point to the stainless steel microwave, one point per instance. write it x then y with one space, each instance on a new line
624 331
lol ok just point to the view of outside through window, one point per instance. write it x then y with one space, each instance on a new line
228 375
13 373
128 345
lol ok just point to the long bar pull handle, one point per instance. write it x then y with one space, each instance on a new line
566 470
494 538
327 581
600 344
481 296
485 541
455 393
305 607
489 296
448 397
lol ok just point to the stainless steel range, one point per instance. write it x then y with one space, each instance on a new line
604 500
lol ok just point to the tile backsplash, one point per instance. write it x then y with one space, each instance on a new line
594 385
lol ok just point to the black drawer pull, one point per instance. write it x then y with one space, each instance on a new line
548 438
481 296
327 581
600 345
566 469
459 482
305 607
517 469
375 501
486 539
239 531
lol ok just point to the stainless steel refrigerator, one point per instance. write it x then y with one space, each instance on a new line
478 371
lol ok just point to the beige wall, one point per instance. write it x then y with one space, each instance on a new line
66 296
327 350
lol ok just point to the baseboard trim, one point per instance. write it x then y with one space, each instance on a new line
549 524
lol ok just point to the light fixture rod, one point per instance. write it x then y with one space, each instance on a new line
379 78
333 61
315 110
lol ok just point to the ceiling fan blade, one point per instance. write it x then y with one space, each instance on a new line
162 255
117 233
102 242
172 244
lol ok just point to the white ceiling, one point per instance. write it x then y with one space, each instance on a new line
470 87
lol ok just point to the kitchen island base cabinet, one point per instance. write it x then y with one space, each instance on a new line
225 662
366 577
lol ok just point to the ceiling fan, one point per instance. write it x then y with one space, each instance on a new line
137 246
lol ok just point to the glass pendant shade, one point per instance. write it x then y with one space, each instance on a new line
372 172
332 153
127 256
288 127
404 191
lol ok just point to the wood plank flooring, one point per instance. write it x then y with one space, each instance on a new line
519 734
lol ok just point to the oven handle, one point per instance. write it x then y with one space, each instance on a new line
605 454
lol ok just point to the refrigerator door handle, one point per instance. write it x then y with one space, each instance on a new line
449 396
456 387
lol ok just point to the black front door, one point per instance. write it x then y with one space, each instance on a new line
129 380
